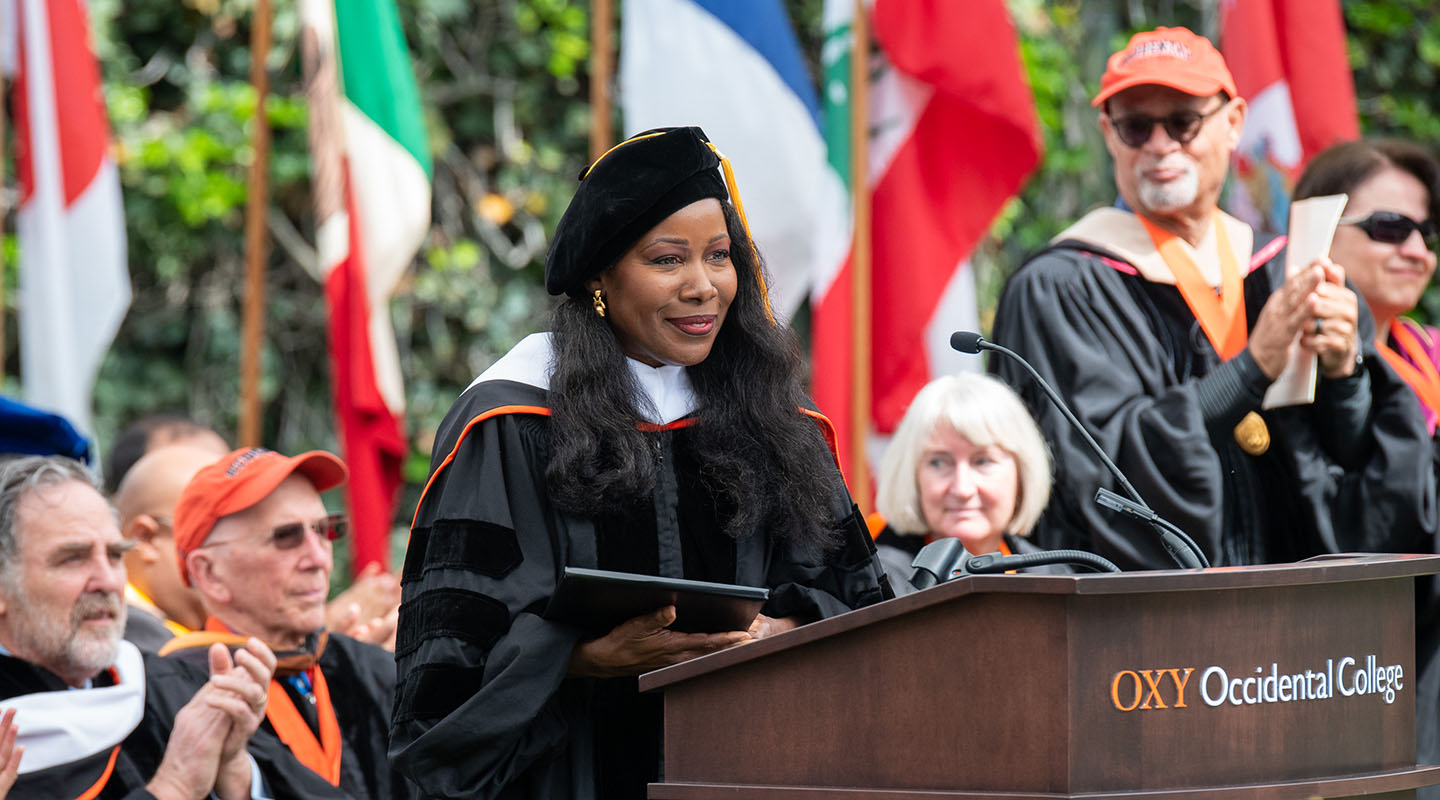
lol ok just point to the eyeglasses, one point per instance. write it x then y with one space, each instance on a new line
1182 126
290 535
1390 227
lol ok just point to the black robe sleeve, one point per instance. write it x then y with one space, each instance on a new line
478 703
1079 325
850 577
1093 333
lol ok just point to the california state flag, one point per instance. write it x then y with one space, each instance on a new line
74 286
1291 65
371 179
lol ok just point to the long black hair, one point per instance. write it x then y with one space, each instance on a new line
756 447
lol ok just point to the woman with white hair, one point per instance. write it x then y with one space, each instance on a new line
967 461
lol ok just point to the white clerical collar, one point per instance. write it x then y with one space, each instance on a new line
57 727
528 362
667 388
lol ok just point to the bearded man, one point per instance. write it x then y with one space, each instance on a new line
1163 321
96 718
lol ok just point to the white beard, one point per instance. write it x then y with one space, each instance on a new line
69 643
1171 195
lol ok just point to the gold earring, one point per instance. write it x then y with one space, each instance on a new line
599 303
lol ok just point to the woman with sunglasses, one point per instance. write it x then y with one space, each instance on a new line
1386 242
659 428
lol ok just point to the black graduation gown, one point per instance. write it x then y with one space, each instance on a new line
1427 655
361 678
169 686
484 708
145 630
1127 354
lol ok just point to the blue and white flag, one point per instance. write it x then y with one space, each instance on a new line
734 68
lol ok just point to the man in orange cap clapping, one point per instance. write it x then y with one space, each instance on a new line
253 536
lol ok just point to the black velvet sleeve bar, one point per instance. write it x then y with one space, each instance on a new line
1232 390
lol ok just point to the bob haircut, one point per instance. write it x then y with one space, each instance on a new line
1340 168
983 410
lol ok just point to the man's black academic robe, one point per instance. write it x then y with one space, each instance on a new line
361 680
168 687
1349 473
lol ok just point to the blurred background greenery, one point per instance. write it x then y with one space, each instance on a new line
504 84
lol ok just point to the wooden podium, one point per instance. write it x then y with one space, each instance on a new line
1291 681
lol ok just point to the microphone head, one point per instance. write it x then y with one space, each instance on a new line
966 341
936 561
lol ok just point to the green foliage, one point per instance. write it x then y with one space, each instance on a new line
502 83
1395 55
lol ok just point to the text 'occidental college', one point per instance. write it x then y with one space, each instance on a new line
1173 687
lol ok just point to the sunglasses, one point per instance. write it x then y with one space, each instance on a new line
1390 227
290 535
1182 126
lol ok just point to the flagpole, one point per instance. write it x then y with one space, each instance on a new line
3 107
860 252
256 251
601 50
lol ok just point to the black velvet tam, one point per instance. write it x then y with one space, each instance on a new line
625 193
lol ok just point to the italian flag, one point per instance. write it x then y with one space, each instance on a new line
371 179
952 136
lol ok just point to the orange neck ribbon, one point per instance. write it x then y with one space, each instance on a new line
322 756
1417 370
1222 315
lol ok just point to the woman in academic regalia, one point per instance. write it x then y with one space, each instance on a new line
1386 243
660 427
967 461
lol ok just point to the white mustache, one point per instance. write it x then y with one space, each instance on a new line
1170 161
94 603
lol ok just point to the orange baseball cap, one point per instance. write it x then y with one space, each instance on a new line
1172 57
238 481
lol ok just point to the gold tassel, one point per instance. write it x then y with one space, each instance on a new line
740 209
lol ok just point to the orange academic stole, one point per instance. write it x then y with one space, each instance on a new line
1221 316
1418 371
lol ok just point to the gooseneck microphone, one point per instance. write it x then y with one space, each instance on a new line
1177 543
946 559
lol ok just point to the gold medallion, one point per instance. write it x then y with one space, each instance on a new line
1252 435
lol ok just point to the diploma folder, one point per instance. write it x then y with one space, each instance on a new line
597 600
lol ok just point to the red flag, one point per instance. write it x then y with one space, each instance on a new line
1291 66
371 185
73 278
953 136
373 444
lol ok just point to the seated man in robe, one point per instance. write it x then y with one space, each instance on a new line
253 537
161 606
95 717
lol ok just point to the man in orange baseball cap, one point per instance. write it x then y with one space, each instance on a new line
253 537
1164 320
